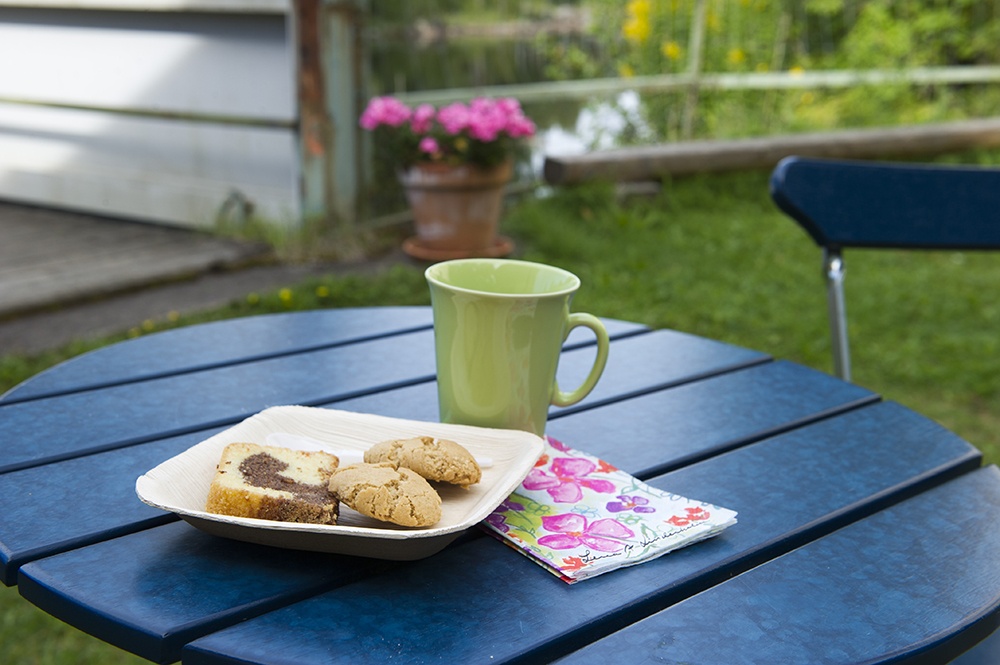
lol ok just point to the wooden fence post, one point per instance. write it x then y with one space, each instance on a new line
696 48
330 66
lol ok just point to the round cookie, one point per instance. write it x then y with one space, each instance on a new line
386 493
435 459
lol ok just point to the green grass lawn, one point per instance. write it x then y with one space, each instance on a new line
711 256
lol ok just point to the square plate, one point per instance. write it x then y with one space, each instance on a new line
180 484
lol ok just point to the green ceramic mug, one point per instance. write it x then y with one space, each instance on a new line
499 326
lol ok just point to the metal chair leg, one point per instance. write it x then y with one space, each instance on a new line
833 271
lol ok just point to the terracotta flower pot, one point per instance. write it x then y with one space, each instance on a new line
456 210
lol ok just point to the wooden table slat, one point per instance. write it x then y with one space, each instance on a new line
218 344
692 421
232 342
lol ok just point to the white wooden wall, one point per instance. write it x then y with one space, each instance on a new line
163 111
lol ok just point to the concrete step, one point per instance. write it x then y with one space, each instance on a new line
51 258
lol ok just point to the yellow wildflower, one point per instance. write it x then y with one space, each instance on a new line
626 71
736 56
796 71
672 50
322 291
713 21
285 295
636 28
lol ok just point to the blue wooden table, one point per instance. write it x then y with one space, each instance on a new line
867 533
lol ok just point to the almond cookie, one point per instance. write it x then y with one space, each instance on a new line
387 493
435 459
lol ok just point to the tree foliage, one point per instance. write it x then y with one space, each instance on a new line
650 37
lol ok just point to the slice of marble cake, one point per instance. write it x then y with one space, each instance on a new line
272 483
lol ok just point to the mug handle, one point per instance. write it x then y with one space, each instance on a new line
560 398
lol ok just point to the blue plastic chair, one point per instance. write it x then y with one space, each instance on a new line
884 205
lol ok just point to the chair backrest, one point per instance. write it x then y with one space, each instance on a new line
843 203
908 206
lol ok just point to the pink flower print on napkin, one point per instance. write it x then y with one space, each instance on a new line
634 503
558 445
572 530
565 480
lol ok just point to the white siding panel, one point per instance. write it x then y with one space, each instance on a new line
231 6
150 162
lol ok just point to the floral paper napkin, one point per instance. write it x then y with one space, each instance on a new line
578 516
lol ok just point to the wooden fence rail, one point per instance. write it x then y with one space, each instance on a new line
690 157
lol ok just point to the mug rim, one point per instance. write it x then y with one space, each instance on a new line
575 281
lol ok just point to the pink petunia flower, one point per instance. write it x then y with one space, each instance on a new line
429 145
486 119
520 126
422 118
509 105
484 132
566 479
385 111
485 127
454 117
572 530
